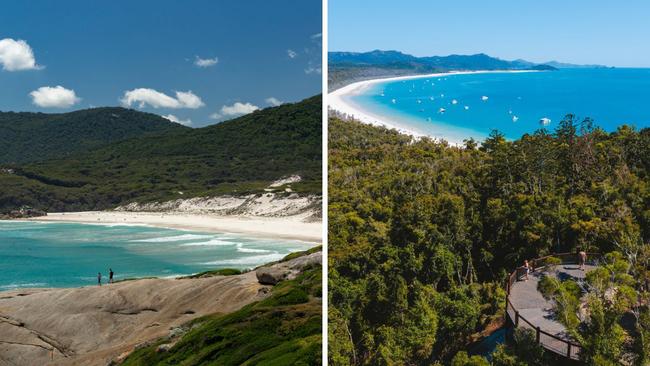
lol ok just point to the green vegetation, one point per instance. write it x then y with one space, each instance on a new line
216 272
422 234
239 156
295 255
523 351
29 137
284 329
593 310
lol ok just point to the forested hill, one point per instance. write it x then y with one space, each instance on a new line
348 67
396 59
28 137
239 156
422 234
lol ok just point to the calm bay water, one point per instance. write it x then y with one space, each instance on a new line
36 254
471 105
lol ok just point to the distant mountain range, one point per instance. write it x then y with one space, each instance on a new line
479 61
346 67
105 157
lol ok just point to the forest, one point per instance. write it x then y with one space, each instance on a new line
126 162
422 236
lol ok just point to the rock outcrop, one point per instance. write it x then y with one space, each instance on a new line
273 274
96 325
22 213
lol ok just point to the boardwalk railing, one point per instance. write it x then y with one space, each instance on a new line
547 340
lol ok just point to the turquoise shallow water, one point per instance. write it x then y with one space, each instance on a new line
515 102
36 254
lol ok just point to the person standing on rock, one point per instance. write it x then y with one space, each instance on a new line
110 275
99 278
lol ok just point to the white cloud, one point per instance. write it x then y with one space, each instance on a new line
156 99
173 118
189 100
274 101
54 97
205 62
316 36
17 55
292 53
237 109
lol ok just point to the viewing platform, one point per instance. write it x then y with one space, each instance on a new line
527 308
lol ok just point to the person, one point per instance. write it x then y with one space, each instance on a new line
99 278
110 275
526 270
582 259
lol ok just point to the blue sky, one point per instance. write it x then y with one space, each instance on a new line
614 33
225 57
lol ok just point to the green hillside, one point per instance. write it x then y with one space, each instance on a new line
238 156
348 67
284 329
28 137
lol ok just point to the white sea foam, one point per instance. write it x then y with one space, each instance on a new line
169 239
209 243
13 286
241 249
252 260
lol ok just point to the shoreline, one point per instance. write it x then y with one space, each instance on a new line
288 227
337 101
140 311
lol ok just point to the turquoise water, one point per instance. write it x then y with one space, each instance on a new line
36 254
515 103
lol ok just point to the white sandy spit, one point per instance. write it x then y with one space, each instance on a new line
291 227
338 100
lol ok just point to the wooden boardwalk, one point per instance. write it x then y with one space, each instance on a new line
535 311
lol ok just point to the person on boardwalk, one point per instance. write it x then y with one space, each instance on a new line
99 278
526 268
582 259
110 275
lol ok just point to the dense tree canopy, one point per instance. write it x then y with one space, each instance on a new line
28 137
422 234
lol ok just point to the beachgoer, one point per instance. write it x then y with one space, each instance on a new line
110 275
99 278
526 270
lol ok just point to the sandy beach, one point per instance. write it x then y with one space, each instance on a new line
290 227
338 100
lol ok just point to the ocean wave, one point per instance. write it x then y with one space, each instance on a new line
209 243
169 239
241 249
13 286
252 260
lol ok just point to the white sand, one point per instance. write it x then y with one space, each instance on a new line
338 101
289 227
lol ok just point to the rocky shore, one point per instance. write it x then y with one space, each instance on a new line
101 325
